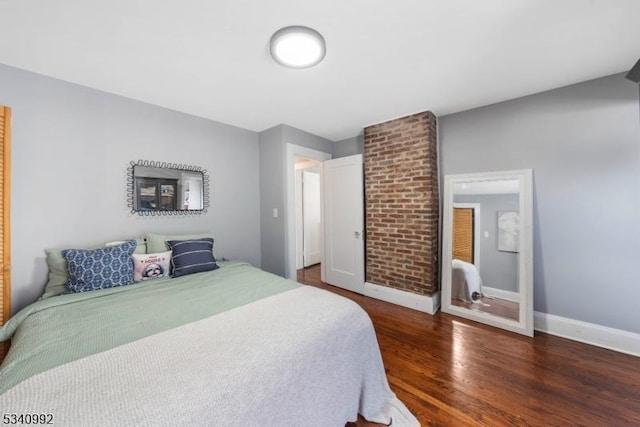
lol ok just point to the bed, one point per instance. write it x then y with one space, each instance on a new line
466 284
236 346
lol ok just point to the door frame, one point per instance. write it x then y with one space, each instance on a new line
291 151
299 221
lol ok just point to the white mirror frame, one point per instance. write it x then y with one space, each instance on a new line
525 268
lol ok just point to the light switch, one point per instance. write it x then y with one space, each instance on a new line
275 212
486 234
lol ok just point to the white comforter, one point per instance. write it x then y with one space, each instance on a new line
301 357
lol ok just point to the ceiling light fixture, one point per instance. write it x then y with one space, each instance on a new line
297 47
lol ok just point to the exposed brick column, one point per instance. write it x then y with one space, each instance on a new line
401 192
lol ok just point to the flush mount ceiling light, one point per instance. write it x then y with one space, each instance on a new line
297 47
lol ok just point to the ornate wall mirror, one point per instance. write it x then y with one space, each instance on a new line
156 188
487 258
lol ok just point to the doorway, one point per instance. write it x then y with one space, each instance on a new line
308 212
341 212
292 152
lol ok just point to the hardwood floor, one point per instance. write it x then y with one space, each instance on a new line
454 372
496 306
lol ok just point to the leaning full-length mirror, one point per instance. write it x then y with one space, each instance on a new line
487 259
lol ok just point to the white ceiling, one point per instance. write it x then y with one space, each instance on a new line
385 58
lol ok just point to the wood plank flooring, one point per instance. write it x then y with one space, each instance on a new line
451 371
496 306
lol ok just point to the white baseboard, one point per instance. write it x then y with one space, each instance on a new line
424 303
500 293
588 333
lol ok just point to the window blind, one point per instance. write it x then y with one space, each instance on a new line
463 234
5 211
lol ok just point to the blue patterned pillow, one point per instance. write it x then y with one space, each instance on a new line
192 256
91 269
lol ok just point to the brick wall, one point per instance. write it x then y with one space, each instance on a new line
401 192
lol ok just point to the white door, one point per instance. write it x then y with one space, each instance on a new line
311 217
344 223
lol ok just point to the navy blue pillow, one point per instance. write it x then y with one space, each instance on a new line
92 269
192 256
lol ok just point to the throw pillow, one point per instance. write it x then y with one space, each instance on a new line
151 266
158 242
92 269
58 271
192 256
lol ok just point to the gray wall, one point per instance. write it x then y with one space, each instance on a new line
70 150
498 269
272 230
291 135
583 144
273 187
349 146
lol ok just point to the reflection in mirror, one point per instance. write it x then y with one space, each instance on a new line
485 227
162 188
487 274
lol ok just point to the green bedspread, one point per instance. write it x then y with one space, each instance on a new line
64 328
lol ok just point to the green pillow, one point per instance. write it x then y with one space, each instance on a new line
158 242
58 275
141 247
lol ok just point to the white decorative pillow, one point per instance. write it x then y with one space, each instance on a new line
141 245
151 266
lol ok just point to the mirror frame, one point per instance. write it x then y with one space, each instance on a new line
525 268
176 166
